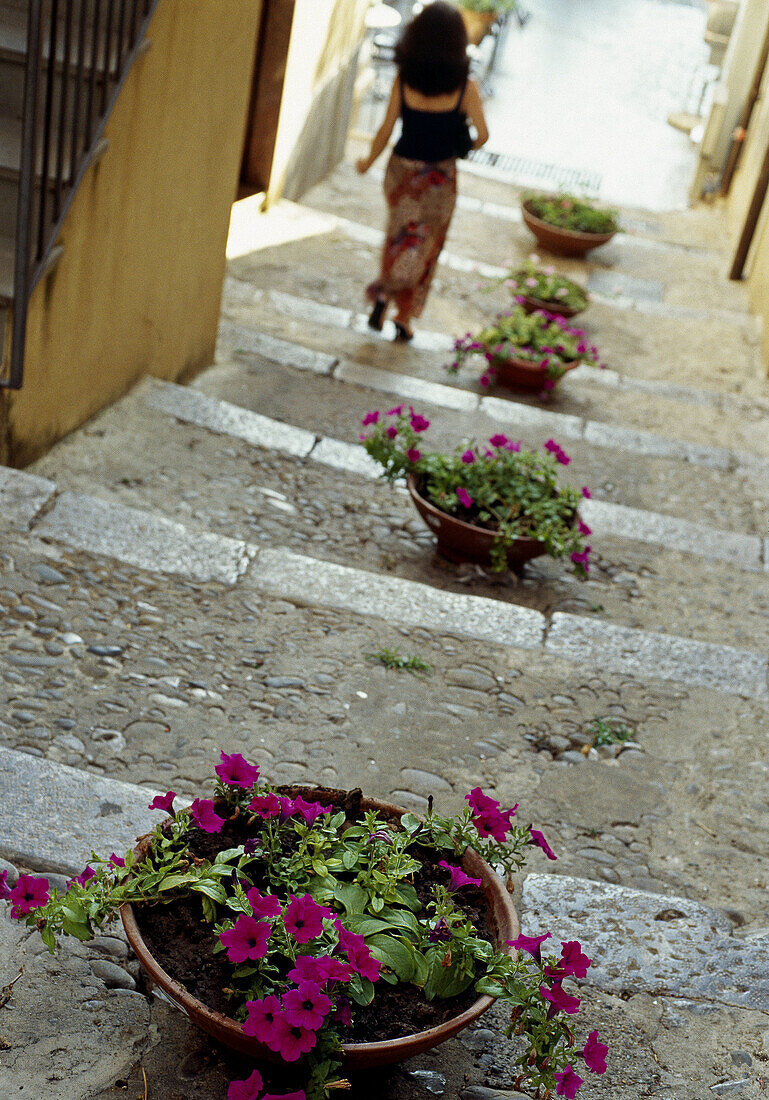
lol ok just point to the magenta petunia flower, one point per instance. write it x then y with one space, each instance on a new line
552 446
306 1006
265 805
396 411
562 457
458 877
235 771
370 418
413 455
488 818
291 1041
246 1090
310 811
582 559
538 839
568 1083
5 890
419 423
260 1023
485 380
205 817
116 861
468 457
392 431
511 446
246 940
359 955
263 905
464 497
549 384
303 918
164 802
84 876
29 893
320 969
586 493
595 1053
583 528
499 440
559 1000
343 1014
531 944
574 961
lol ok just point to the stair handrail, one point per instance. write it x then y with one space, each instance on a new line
98 68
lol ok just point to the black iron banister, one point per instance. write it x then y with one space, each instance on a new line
73 55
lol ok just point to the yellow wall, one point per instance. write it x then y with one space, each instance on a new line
139 285
317 93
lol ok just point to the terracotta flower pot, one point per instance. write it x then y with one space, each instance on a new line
477 24
564 242
531 305
502 918
523 374
460 541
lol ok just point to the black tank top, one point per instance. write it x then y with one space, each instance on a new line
428 135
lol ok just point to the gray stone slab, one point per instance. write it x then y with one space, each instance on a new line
22 496
619 521
614 284
658 656
194 407
236 290
652 943
308 581
143 539
424 339
656 446
248 341
309 311
766 553
54 815
346 456
405 385
529 416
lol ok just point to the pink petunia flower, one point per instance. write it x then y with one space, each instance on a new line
468 457
511 446
235 771
310 811
262 1015
559 1000
246 1090
419 423
538 838
574 961
303 918
85 875
568 1083
320 969
116 861
396 411
263 905
458 877
489 819
164 802
552 446
562 292
265 805
205 817
359 955
291 1041
464 497
246 940
583 528
595 1053
370 418
413 455
531 282
391 432
549 384
499 440
586 493
5 890
306 1006
29 893
531 944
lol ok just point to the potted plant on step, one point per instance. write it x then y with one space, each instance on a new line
567 225
311 928
480 15
497 505
526 351
536 287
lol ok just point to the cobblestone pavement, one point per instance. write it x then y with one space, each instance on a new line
142 673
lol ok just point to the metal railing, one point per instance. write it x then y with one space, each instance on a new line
79 53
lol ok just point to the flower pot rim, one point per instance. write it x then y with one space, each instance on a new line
529 364
355 1054
597 236
412 485
553 307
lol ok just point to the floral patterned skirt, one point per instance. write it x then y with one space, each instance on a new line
420 199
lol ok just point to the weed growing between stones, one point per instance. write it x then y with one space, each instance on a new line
609 731
393 658
321 920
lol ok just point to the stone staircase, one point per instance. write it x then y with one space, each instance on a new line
214 565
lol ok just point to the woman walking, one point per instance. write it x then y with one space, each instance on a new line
432 95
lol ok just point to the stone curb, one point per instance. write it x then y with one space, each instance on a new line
22 496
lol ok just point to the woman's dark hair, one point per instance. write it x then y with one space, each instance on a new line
431 54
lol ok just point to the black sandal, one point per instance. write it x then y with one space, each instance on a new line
376 317
402 334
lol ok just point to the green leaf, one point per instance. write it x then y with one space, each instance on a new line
351 896
48 938
213 890
174 882
445 981
360 990
376 903
77 929
319 867
349 858
410 823
407 895
394 953
228 854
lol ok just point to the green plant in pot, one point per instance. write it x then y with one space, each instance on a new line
535 286
479 15
568 225
498 504
525 350
303 908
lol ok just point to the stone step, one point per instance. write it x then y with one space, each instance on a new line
637 403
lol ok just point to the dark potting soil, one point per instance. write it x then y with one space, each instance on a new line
183 943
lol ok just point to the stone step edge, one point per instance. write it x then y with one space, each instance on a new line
606 519
505 410
315 312
152 542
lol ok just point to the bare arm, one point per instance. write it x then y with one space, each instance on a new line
473 108
382 135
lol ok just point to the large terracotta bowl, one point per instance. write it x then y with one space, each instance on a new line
502 918
564 242
477 24
460 541
523 374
